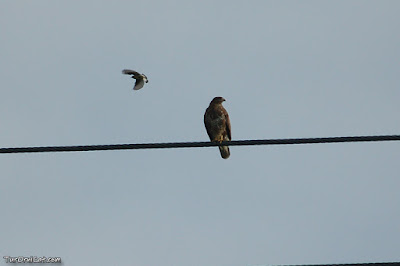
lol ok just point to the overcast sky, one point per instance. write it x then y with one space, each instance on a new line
287 69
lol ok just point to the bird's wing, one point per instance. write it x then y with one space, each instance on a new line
139 84
130 72
228 124
207 124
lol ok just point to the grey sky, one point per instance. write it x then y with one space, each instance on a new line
286 69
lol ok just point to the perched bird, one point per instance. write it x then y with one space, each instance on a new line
218 125
140 78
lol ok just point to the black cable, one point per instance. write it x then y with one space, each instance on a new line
199 144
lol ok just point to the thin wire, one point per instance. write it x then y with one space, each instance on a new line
353 264
200 144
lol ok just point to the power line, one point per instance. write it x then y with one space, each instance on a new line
200 144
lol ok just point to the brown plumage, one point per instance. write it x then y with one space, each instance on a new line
218 125
140 78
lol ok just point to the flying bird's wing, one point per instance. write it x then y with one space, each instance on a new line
139 84
129 72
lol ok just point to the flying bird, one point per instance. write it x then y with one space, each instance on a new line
140 78
218 125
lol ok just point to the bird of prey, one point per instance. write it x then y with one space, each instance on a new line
218 125
140 78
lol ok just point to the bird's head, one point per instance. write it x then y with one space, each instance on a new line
218 100
145 78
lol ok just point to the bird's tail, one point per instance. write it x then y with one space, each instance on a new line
224 150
